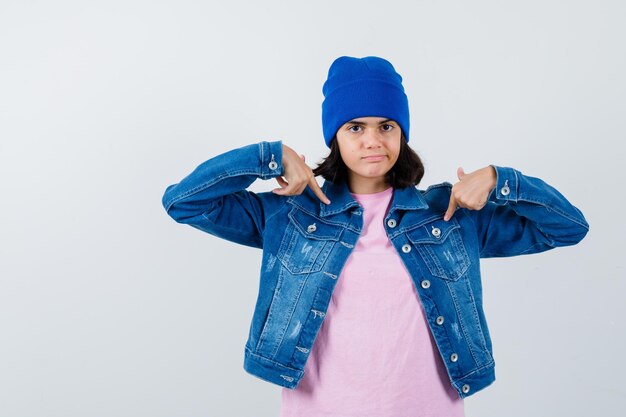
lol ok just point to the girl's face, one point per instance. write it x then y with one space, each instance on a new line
369 146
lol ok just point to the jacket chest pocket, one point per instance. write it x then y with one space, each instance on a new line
440 245
306 242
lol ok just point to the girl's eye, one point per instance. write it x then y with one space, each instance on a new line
387 128
352 127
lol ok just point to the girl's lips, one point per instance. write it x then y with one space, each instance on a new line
374 158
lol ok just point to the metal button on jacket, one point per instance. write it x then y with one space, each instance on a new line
272 165
436 232
391 223
454 357
440 320
311 228
505 190
465 389
406 248
426 284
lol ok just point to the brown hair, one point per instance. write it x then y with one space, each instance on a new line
407 171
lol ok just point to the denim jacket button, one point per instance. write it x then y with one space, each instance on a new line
436 232
465 389
426 284
311 228
505 190
454 357
406 248
391 223
273 165
440 320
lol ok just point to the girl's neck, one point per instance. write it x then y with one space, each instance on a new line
367 187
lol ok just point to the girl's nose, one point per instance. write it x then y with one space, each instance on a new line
373 138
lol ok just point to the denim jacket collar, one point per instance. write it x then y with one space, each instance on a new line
408 198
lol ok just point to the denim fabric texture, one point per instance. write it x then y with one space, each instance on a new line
306 243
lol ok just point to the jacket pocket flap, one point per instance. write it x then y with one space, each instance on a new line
312 227
433 232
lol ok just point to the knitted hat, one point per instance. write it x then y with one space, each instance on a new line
361 87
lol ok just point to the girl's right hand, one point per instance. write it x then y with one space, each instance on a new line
297 176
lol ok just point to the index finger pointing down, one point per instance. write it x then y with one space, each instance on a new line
317 190
451 208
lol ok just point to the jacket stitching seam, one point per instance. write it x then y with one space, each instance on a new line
481 333
488 365
263 358
457 308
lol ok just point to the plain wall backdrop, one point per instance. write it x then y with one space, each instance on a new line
110 308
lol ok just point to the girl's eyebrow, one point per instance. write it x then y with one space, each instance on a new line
363 123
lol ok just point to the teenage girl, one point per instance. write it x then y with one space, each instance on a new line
370 300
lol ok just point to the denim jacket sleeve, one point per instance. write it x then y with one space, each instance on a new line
214 199
525 215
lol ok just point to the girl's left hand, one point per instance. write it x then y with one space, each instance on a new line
472 190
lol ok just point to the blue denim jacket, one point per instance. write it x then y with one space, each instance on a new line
306 243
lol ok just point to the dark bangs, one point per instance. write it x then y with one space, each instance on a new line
407 171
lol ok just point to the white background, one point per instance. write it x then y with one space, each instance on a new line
110 308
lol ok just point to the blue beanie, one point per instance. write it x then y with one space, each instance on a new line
361 87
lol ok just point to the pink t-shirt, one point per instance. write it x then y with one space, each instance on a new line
374 355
